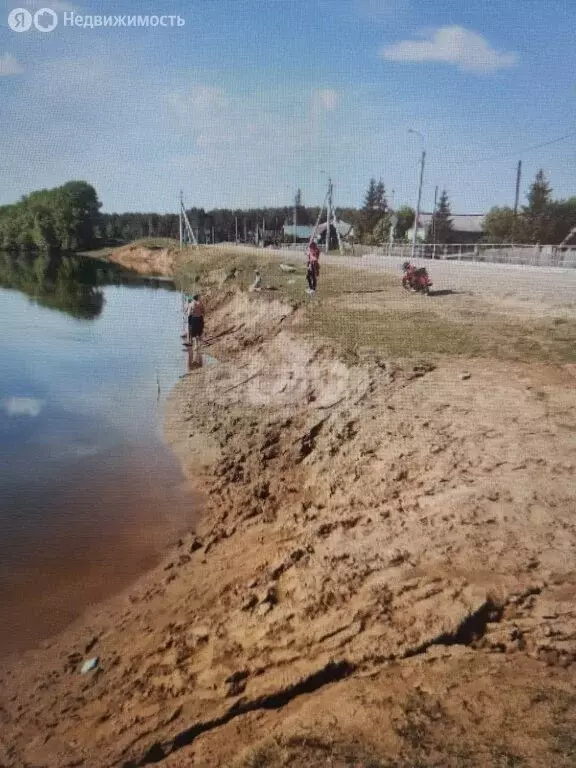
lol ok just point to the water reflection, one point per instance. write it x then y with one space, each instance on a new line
67 283
89 495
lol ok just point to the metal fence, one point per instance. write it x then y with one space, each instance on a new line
497 253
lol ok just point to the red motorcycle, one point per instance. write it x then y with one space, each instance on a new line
416 278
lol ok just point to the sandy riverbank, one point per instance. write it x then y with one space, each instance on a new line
384 573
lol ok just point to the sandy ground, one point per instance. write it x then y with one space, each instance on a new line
384 574
153 260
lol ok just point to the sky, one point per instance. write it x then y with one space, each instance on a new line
251 99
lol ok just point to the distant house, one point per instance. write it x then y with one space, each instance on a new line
303 233
342 227
466 228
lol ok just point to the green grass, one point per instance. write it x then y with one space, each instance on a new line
421 327
200 267
155 242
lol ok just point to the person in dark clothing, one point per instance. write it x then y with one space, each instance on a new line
313 267
195 312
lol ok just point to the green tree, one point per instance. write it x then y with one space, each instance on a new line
381 232
406 216
563 218
373 209
81 200
367 222
51 219
501 226
303 215
381 204
538 212
442 220
43 232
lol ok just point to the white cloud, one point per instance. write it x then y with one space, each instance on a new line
452 45
23 406
326 98
9 65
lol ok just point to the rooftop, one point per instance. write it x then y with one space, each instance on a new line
461 222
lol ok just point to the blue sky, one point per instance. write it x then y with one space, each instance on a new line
253 98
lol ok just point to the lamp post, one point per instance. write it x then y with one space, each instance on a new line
417 215
328 210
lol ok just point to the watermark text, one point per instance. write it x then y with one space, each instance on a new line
72 19
46 20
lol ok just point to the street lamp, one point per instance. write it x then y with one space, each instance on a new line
417 215
328 212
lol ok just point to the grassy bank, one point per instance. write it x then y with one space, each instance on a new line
368 311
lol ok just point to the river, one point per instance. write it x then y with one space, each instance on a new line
89 495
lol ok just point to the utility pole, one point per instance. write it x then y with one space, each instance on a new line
518 179
180 221
434 216
236 229
417 216
187 235
295 218
434 222
393 221
517 198
245 235
328 214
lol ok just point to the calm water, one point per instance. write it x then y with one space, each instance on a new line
89 495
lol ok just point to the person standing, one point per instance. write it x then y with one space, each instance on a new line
313 269
195 312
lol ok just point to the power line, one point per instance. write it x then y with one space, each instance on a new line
518 152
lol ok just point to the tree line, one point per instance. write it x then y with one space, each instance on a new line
542 220
68 218
51 220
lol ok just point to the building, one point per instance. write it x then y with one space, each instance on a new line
466 228
304 233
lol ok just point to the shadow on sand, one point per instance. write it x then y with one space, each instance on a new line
445 292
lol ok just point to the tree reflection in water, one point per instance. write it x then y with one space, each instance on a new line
71 284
